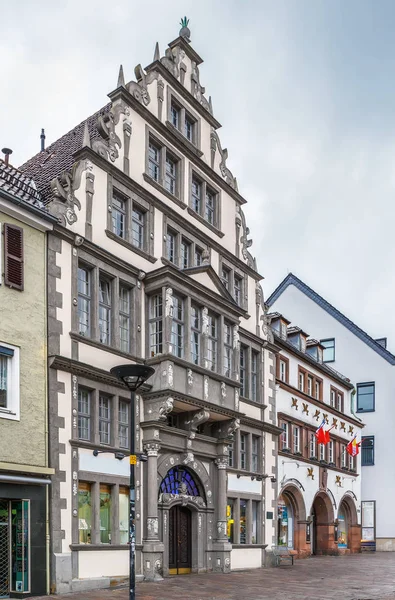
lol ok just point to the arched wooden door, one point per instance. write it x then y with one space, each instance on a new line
180 540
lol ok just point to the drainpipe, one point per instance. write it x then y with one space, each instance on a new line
352 405
47 530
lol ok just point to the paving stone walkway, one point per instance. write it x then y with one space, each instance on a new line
356 577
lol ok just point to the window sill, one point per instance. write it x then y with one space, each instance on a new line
130 246
99 547
256 403
97 446
183 139
86 340
240 546
163 190
368 410
217 231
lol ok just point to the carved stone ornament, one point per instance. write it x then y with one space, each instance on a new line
153 525
351 429
205 324
171 60
165 408
236 337
223 390
338 480
189 458
169 307
294 403
63 193
334 423
342 426
151 448
190 377
139 89
245 242
305 408
310 472
325 417
221 528
184 498
198 90
205 388
266 328
237 399
199 417
109 143
221 463
170 375
317 414
225 172
227 429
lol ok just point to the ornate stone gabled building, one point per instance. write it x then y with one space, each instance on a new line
151 262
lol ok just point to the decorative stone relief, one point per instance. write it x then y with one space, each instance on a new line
294 403
325 417
317 414
170 375
200 524
165 408
342 426
245 242
338 481
151 448
152 526
221 463
205 387
169 306
190 377
223 390
198 90
227 562
206 256
351 429
139 89
236 338
225 172
305 408
165 522
184 498
109 143
334 423
63 192
205 324
189 458
198 419
310 472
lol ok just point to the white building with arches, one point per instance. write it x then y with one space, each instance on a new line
319 504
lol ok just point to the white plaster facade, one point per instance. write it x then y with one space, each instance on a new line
363 360
111 159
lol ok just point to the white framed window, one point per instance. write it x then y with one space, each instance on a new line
104 419
177 327
283 370
331 454
317 385
351 462
322 452
196 333
343 457
333 398
104 310
313 446
296 439
309 385
227 350
301 382
212 343
84 414
156 325
284 436
124 318
123 424
9 382
84 301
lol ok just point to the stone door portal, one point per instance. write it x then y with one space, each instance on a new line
179 540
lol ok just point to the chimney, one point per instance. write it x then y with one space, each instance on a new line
42 138
6 152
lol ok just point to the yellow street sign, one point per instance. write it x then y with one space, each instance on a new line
133 459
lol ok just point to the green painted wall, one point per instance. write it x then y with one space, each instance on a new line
23 323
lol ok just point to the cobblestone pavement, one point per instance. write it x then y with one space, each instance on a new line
356 577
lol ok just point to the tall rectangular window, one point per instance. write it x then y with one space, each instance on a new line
313 445
333 398
123 514
171 174
331 450
365 397
198 256
104 310
283 370
84 301
210 206
317 386
84 414
105 514
104 419
185 254
243 521
301 381
237 289
254 375
243 451
177 327
196 195
231 454
84 513
343 455
154 162
296 439
124 318
329 350
3 381
284 437
123 424
171 245
255 453
225 277
309 385
227 350
230 517
212 342
255 520
156 325
175 115
322 452
351 462
243 371
6 386
189 127
196 332
138 223
119 216
367 448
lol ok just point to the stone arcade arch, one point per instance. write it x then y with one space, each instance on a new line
348 529
323 534
185 502
291 498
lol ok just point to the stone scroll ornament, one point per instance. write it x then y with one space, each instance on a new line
225 171
63 189
109 143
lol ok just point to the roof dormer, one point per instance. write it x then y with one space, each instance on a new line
297 337
315 349
279 324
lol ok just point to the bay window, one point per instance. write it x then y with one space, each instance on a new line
196 333
104 310
156 325
84 301
243 371
227 350
177 327
212 342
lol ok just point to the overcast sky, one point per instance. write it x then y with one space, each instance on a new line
305 90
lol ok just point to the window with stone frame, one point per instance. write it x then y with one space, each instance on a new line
204 201
243 441
310 384
336 399
313 445
177 327
130 219
84 300
296 435
183 120
255 441
234 281
231 454
284 438
164 167
98 507
228 349
243 371
105 308
225 277
255 376
243 521
181 249
123 423
84 414
124 317
282 368
196 333
105 419
211 357
156 324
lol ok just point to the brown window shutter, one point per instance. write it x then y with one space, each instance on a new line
13 255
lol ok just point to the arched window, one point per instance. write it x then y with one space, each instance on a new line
179 479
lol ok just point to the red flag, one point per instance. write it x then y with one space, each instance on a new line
353 447
322 435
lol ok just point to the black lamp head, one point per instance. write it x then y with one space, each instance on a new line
133 376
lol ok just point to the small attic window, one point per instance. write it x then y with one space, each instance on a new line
302 343
283 330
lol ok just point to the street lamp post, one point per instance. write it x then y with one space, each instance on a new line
133 376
